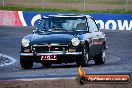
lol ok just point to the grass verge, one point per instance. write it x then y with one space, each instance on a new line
62 10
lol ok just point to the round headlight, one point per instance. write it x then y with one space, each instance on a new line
75 41
25 42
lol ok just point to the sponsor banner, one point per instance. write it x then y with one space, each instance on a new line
27 18
31 18
113 21
9 18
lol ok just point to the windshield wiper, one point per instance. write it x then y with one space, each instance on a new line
47 30
59 29
65 30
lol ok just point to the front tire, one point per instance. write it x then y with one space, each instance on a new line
100 58
85 57
26 62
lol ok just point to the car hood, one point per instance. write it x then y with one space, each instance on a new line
60 37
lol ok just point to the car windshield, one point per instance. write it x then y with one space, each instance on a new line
63 24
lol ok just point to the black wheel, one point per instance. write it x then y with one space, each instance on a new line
100 58
85 57
46 64
26 62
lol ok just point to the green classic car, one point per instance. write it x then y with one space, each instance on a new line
63 39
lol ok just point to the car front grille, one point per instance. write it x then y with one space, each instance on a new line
52 48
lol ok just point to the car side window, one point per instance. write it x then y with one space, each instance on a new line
92 25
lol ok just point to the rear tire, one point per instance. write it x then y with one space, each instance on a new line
100 58
26 62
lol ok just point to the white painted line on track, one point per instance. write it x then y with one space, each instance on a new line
11 58
59 78
40 79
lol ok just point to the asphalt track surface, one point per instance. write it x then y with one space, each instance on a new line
118 59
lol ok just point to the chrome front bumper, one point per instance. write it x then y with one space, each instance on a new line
41 54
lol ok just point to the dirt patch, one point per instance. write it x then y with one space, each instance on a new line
62 83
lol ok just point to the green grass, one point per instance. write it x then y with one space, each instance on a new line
62 10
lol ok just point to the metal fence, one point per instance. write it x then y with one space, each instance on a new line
72 4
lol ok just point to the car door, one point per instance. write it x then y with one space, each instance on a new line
97 41
95 37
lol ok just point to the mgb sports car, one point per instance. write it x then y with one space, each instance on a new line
63 38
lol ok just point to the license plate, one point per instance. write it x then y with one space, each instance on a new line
49 57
